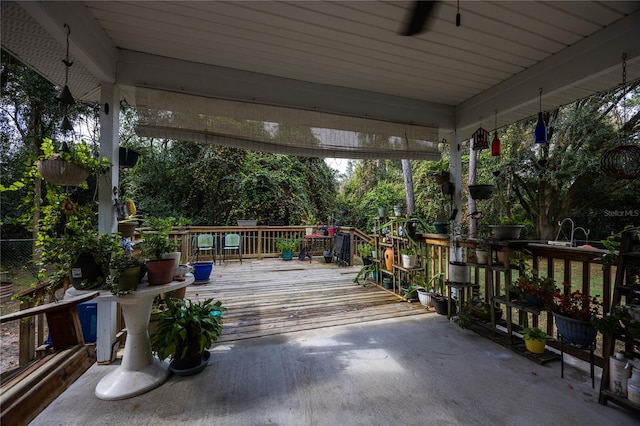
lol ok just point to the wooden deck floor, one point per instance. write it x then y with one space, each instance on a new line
272 296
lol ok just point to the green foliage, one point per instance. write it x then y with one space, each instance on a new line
534 333
78 153
156 241
287 244
365 249
184 322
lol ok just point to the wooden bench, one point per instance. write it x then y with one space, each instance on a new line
28 390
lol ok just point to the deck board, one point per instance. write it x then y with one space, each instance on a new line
272 296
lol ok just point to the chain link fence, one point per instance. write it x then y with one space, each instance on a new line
16 258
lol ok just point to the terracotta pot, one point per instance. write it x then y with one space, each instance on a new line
127 229
160 271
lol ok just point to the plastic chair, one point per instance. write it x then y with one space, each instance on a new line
232 242
204 243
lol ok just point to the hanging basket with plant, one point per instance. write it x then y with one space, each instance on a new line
71 165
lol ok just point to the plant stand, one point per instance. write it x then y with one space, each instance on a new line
461 288
591 348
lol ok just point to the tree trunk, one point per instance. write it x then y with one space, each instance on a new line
408 185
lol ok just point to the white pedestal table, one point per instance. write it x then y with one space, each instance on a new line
139 371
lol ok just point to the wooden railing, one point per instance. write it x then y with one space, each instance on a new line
258 242
579 267
576 266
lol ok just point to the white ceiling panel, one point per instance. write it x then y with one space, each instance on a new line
339 57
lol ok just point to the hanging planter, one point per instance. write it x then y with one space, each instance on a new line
480 192
70 165
442 177
506 232
127 157
60 172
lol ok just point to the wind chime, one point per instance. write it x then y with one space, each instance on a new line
622 161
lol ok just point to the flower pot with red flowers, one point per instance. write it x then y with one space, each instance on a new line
573 313
536 291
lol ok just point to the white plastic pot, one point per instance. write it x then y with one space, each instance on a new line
459 272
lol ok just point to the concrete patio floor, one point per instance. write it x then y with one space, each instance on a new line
411 370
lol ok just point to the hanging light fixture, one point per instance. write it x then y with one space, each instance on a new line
65 96
495 143
623 161
541 128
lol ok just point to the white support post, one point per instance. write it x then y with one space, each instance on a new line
109 144
456 177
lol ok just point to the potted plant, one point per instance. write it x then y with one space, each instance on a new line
482 251
155 243
183 332
309 219
85 257
124 272
70 165
622 320
534 339
482 310
287 246
536 291
441 303
508 229
426 289
409 257
573 313
366 251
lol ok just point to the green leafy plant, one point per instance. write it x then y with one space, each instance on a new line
156 240
287 244
78 153
534 333
363 273
120 261
185 322
618 321
611 245
409 251
365 249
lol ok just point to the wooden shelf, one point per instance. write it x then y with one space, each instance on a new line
626 257
606 396
523 306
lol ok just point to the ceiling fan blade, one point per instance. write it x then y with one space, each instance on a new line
419 17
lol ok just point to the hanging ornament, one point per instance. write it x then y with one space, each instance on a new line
540 132
68 207
623 161
480 139
495 143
